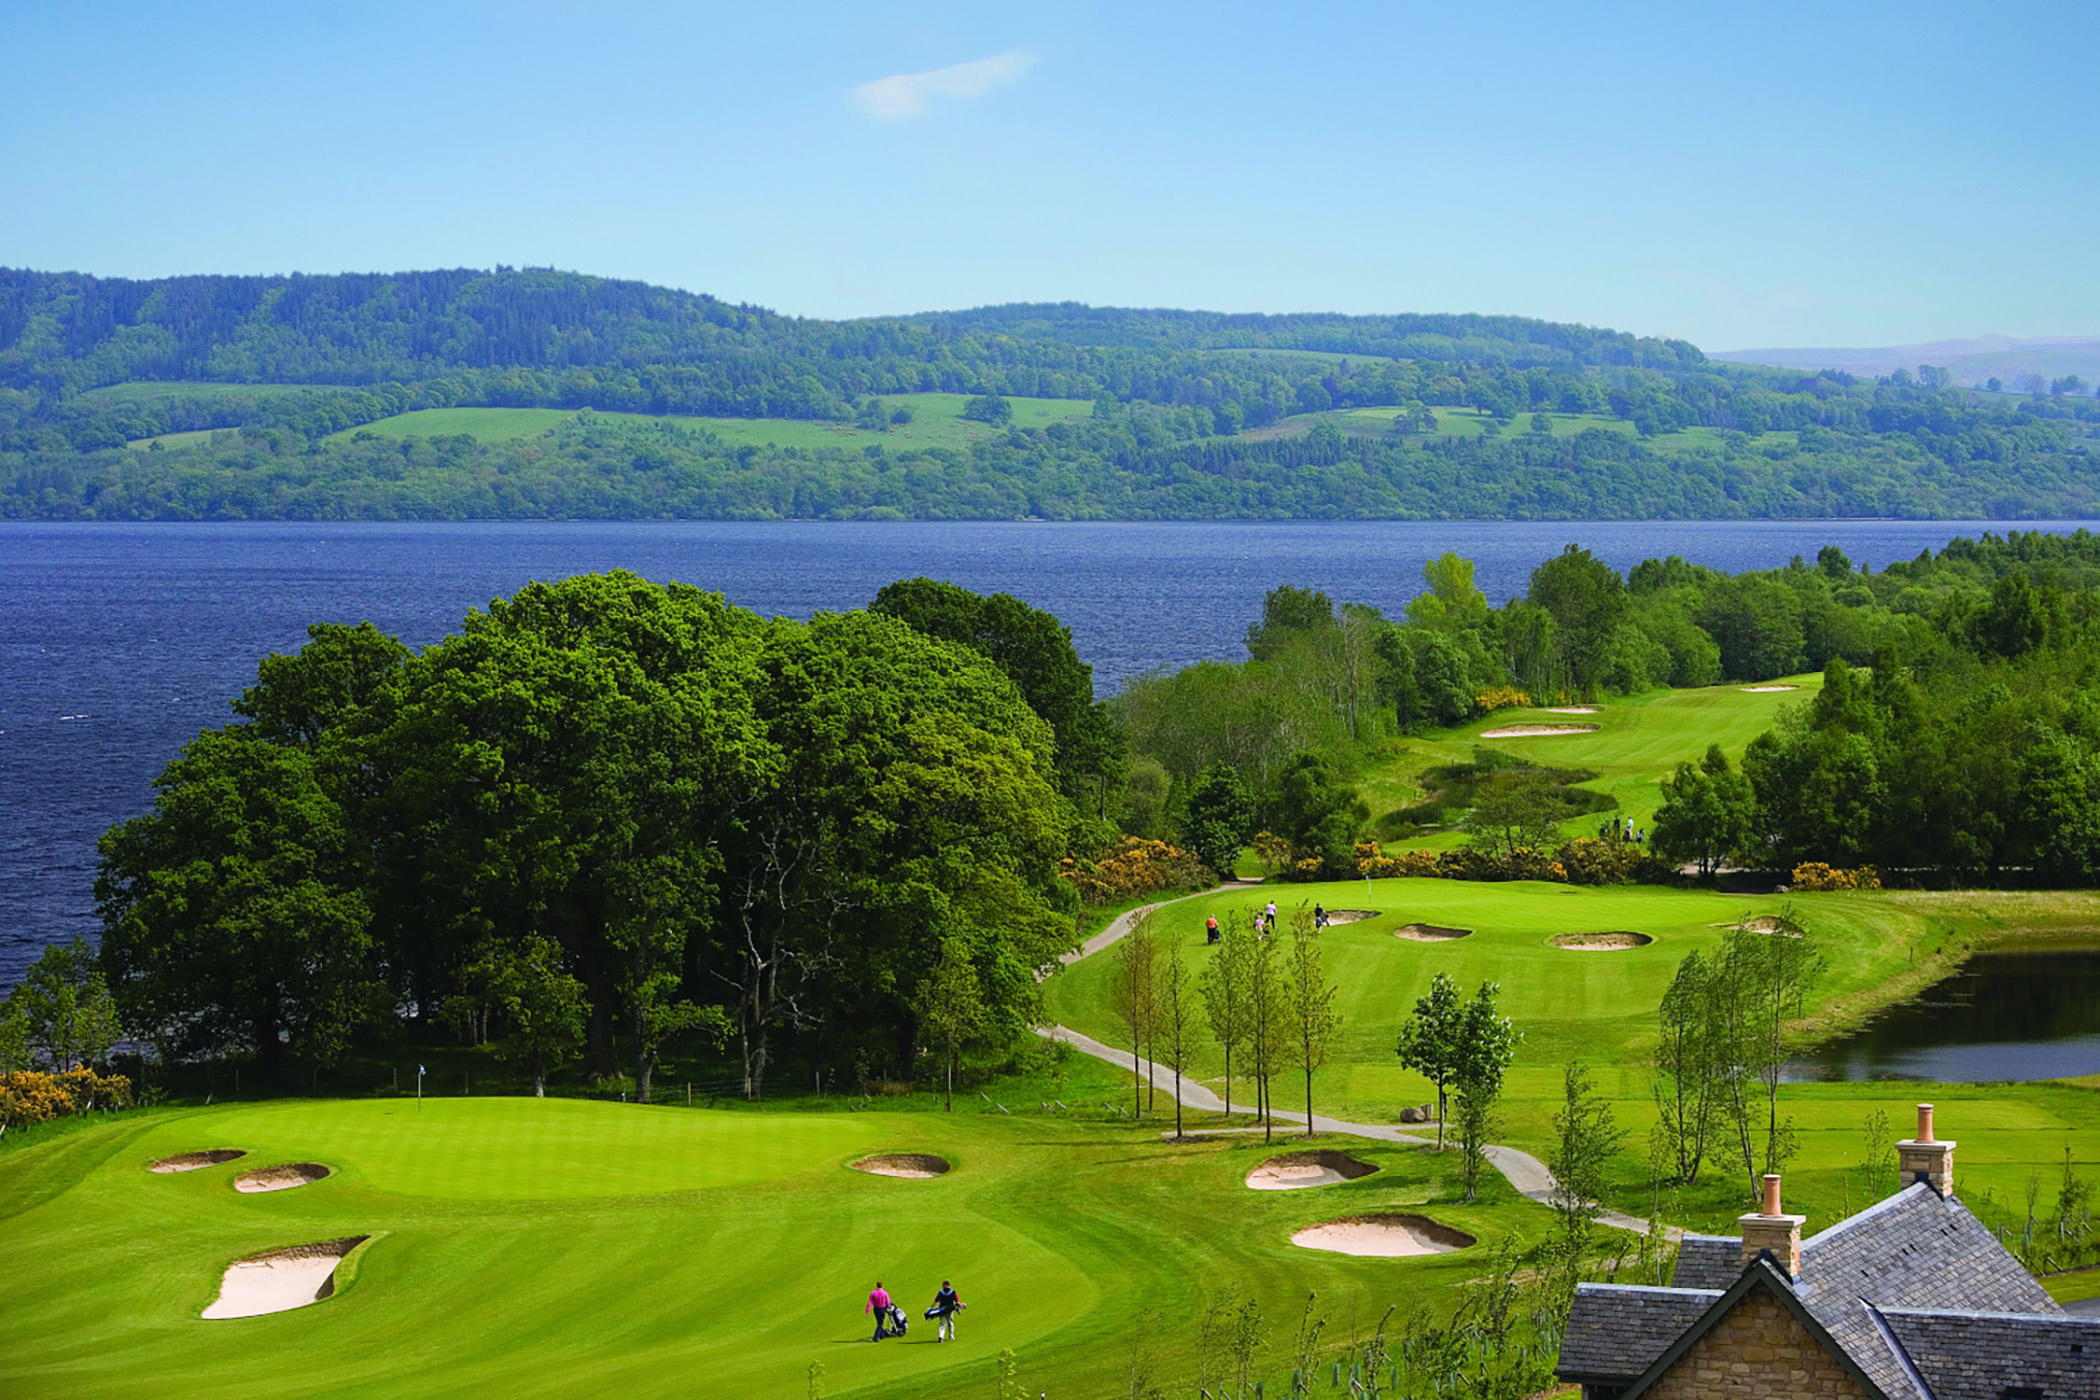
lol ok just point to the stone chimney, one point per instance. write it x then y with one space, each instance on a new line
1773 1229
1922 1158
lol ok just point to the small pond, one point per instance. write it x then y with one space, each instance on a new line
2011 1014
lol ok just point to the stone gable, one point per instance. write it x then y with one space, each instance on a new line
1758 1351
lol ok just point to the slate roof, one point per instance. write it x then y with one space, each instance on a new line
1615 1331
1914 1290
1985 1356
1708 1261
1914 1250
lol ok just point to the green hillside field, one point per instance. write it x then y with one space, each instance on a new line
937 421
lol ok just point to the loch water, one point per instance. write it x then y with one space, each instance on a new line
2010 1015
120 642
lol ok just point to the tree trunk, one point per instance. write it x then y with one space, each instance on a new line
644 1066
1441 1103
951 1081
1308 1103
539 1075
1228 1082
1177 1103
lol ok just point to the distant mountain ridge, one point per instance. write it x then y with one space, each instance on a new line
1973 361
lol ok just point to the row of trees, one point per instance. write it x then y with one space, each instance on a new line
1266 1006
604 815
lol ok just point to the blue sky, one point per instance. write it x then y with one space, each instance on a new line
1742 175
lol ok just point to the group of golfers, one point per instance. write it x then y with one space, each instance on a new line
891 1322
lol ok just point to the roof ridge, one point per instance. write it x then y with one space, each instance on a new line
1992 1314
1884 1206
1651 1288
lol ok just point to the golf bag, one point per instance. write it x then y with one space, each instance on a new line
899 1323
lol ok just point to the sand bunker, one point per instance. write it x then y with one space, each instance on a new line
280 1178
1570 710
916 1165
1537 731
1612 942
281 1280
195 1161
1431 933
1768 923
1765 689
1383 1236
1349 916
1297 1170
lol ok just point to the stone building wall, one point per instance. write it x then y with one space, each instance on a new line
1759 1351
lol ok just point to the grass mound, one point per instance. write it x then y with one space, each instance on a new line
1609 941
282 1177
197 1161
917 1166
1295 1171
1453 788
1384 1236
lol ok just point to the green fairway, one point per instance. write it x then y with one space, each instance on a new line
937 421
1639 740
546 1247
1600 1007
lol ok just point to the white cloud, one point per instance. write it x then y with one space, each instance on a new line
907 94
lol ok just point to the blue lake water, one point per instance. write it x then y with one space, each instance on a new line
120 642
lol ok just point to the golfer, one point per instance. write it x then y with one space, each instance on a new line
945 1306
878 1304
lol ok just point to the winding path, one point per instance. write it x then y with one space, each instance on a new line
1524 1171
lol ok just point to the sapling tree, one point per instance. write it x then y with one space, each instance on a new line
1312 1017
1137 955
1877 1152
1267 1013
1224 988
1765 979
1585 1137
950 1005
1176 1000
1688 1065
1429 1041
1487 1046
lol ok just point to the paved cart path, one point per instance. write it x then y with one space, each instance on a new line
1524 1171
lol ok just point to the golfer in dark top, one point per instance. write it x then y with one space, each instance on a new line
946 1305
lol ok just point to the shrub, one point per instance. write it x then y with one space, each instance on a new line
32 1096
1135 866
1592 862
1275 852
1815 875
1501 697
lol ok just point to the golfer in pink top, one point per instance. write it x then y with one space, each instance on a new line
878 1304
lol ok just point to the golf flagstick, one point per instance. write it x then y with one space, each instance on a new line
419 1088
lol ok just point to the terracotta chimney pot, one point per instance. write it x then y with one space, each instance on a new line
1772 1195
1924 1122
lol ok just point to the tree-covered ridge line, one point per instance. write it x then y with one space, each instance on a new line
58 328
1196 415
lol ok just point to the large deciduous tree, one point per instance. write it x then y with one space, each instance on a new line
231 921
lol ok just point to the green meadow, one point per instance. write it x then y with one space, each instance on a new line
937 421
1467 422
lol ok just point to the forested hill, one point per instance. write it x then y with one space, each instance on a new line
457 393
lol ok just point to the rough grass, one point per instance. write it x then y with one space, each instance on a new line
559 1248
937 421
